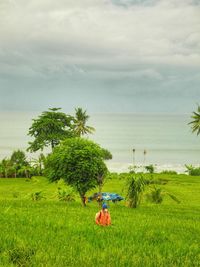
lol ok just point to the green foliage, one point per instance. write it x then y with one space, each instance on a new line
79 162
106 154
49 129
66 195
21 256
195 123
38 165
18 158
80 128
15 166
156 195
6 168
135 189
193 171
36 196
150 168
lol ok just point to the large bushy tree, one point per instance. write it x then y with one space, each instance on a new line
79 162
195 123
49 129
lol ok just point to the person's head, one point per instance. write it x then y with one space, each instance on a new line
104 206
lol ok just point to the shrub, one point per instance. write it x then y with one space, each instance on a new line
135 188
193 171
66 195
157 195
37 196
150 168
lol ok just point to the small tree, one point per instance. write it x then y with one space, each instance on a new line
18 161
49 129
135 188
150 168
79 162
6 168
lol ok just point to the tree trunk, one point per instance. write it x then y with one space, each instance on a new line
83 200
52 145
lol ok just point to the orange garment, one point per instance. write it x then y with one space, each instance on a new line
103 218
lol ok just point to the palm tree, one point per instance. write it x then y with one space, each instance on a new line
196 121
80 127
38 164
133 156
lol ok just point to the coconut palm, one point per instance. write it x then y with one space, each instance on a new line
196 121
38 164
80 120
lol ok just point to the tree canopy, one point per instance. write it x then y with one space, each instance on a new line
49 129
79 162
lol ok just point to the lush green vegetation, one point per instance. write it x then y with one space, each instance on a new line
50 232
79 162
18 166
53 126
193 171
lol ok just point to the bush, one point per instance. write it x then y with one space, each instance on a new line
193 171
66 195
156 195
135 188
150 168
37 196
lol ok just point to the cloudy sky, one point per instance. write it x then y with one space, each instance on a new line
103 55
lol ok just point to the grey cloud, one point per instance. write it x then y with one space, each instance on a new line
150 48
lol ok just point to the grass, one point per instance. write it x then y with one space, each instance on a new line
54 233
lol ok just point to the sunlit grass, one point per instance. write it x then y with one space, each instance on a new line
54 233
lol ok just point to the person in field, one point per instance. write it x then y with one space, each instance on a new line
103 216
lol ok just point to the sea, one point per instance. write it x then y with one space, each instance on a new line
164 140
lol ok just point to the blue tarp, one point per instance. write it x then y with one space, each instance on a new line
105 196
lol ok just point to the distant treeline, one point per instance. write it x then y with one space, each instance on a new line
19 166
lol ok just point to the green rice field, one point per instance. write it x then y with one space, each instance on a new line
52 233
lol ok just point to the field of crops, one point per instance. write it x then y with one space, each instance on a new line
49 232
